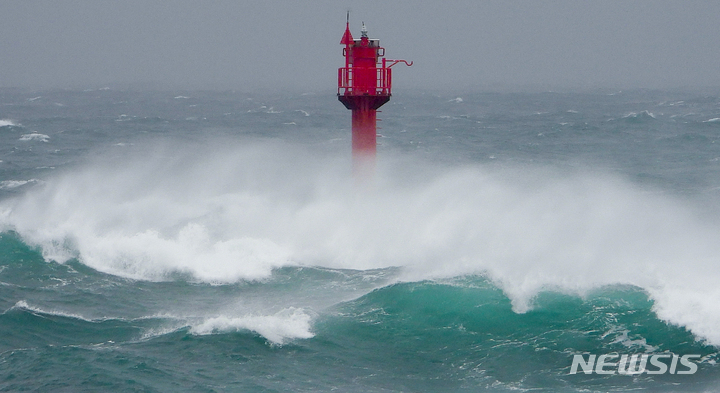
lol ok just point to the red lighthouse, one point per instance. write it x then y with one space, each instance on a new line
364 85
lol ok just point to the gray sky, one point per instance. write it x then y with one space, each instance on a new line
295 45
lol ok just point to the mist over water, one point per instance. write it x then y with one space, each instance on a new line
223 213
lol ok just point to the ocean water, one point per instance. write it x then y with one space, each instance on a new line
194 241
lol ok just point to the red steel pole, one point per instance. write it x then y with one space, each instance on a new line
364 130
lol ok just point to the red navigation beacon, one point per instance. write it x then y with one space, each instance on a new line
364 85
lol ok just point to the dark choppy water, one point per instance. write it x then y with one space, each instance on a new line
206 241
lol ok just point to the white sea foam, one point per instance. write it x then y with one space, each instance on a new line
22 304
10 184
622 337
6 123
633 115
288 324
228 213
149 255
35 137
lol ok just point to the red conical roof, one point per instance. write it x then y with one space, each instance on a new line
347 37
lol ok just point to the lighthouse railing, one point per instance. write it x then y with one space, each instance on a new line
383 82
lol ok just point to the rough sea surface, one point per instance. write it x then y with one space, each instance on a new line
184 241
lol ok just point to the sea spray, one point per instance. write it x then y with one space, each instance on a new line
243 210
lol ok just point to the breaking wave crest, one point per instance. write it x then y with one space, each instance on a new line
287 324
231 213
